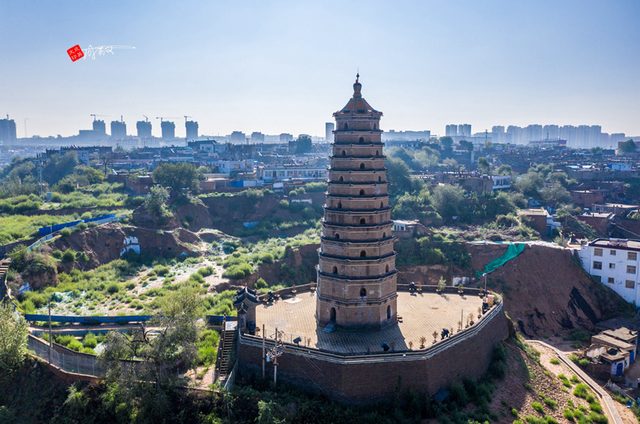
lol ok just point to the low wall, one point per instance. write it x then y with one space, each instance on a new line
370 378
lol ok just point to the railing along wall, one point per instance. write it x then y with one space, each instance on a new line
353 358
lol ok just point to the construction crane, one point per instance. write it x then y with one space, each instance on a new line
185 118
165 117
94 116
146 118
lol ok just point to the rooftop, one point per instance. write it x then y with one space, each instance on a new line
617 243
421 314
610 341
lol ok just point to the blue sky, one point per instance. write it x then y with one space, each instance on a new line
286 66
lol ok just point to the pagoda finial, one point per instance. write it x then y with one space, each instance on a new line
357 76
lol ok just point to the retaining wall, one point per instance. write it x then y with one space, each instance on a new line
370 378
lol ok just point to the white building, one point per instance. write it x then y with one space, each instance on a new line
229 166
271 173
614 262
501 181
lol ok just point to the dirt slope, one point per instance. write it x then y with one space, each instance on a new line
545 291
105 243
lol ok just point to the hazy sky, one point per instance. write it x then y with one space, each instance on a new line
286 66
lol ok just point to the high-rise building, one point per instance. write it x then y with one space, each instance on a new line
451 130
168 130
99 128
464 130
285 138
257 137
238 137
118 129
551 132
497 134
328 131
357 285
143 128
192 130
7 131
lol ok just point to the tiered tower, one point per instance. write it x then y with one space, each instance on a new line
357 273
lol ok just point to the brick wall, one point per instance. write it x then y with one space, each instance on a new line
368 380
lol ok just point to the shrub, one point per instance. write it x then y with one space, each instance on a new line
87 350
575 379
65 232
82 226
530 419
131 286
57 254
554 361
597 418
113 288
581 391
207 347
283 204
514 412
573 358
75 345
84 257
584 362
551 403
260 284
568 414
206 271
590 398
197 277
596 407
161 270
537 406
550 420
90 341
69 256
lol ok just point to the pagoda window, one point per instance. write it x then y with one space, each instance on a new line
363 292
377 153
363 221
335 269
341 179
384 235
332 315
339 205
381 205
344 153
379 178
361 140
388 312
361 192
363 254
362 166
386 269
375 126
346 126
337 236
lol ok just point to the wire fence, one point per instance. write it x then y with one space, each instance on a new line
66 359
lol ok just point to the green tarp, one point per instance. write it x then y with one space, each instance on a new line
512 251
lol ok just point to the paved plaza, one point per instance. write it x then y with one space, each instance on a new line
422 314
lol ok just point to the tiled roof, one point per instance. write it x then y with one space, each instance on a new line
357 104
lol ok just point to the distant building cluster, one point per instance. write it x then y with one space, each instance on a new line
580 137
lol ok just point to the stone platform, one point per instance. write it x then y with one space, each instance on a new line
421 313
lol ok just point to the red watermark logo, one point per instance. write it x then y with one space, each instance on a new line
75 52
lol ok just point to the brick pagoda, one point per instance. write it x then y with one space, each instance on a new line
357 273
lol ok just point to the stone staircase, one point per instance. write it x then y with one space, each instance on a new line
227 353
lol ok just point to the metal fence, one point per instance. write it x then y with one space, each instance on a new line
66 359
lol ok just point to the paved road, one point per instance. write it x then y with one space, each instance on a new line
608 401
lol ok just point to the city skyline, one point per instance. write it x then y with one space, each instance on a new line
275 67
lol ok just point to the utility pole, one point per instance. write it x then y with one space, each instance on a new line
274 354
50 339
263 353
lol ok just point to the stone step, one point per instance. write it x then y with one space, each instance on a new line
329 327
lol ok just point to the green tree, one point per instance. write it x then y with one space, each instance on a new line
181 177
504 170
303 144
398 174
13 338
529 184
484 167
57 167
446 142
627 147
94 176
466 145
447 200
156 202
596 150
